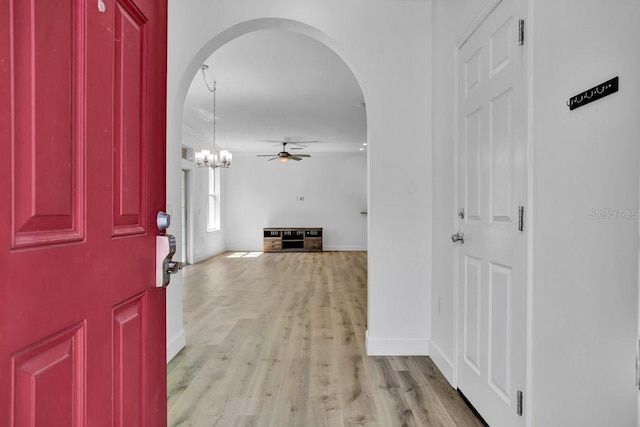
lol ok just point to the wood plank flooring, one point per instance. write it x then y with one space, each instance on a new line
278 340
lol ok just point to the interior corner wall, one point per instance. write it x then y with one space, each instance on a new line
450 20
584 294
387 44
326 190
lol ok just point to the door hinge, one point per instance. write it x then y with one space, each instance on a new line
521 32
520 218
519 404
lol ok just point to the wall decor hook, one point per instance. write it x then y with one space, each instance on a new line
593 94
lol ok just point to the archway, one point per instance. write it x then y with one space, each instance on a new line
177 105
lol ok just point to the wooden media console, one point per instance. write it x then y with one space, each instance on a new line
292 239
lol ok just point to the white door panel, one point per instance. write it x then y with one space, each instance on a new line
492 183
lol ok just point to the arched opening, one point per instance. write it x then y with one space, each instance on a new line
175 131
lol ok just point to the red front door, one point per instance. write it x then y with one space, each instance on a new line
82 129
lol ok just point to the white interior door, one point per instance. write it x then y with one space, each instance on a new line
491 188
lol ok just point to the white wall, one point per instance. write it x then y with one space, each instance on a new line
583 298
263 193
584 294
387 45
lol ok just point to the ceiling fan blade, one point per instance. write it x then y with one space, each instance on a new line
303 155
288 141
296 158
264 155
273 158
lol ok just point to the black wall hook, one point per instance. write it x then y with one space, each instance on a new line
593 94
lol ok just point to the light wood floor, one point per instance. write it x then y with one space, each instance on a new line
278 340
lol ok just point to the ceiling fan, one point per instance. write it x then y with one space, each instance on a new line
284 156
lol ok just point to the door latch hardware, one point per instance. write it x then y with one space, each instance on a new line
458 237
519 405
520 218
521 32
165 265
173 267
461 213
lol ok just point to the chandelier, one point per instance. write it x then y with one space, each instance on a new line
207 158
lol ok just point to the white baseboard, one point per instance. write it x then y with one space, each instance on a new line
176 344
442 362
202 257
199 258
345 248
324 248
396 347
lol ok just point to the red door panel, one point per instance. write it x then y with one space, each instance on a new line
47 122
128 357
130 119
82 155
49 380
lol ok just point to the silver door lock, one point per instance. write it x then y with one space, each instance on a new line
163 220
458 237
165 265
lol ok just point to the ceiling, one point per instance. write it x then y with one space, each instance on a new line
275 85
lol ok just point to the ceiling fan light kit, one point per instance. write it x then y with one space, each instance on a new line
206 158
284 156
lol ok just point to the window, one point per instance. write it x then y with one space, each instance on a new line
213 214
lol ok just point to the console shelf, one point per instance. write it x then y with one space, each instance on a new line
292 239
